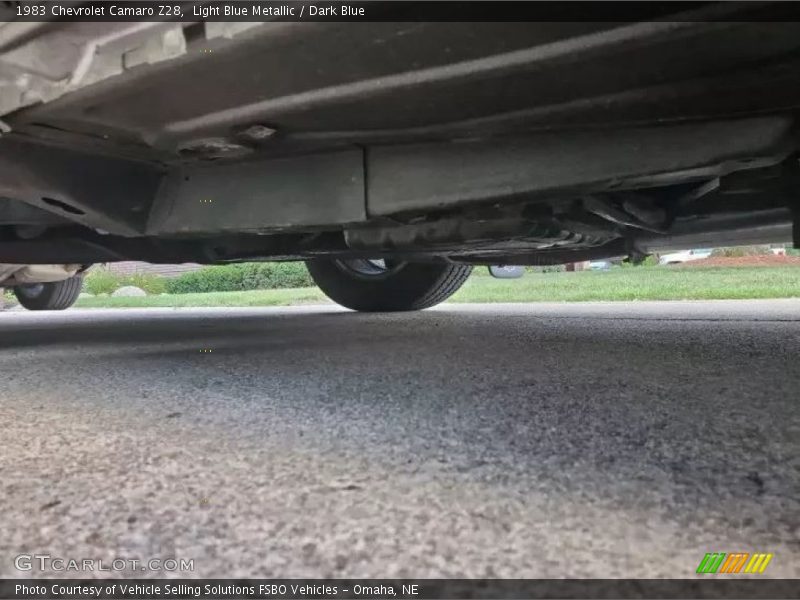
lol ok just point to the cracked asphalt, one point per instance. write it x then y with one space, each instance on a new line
543 440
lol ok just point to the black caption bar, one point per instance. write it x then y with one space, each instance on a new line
420 589
394 10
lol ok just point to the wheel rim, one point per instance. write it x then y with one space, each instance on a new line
31 290
369 268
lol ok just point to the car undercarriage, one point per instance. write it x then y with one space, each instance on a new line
458 143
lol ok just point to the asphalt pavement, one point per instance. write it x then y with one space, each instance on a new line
544 440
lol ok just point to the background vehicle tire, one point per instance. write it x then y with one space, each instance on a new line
56 295
377 285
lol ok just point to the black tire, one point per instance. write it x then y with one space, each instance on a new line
362 285
56 295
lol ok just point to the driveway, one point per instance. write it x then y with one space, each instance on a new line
546 440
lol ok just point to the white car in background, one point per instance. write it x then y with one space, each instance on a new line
684 256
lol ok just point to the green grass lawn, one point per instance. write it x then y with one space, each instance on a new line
648 283
644 283
283 297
